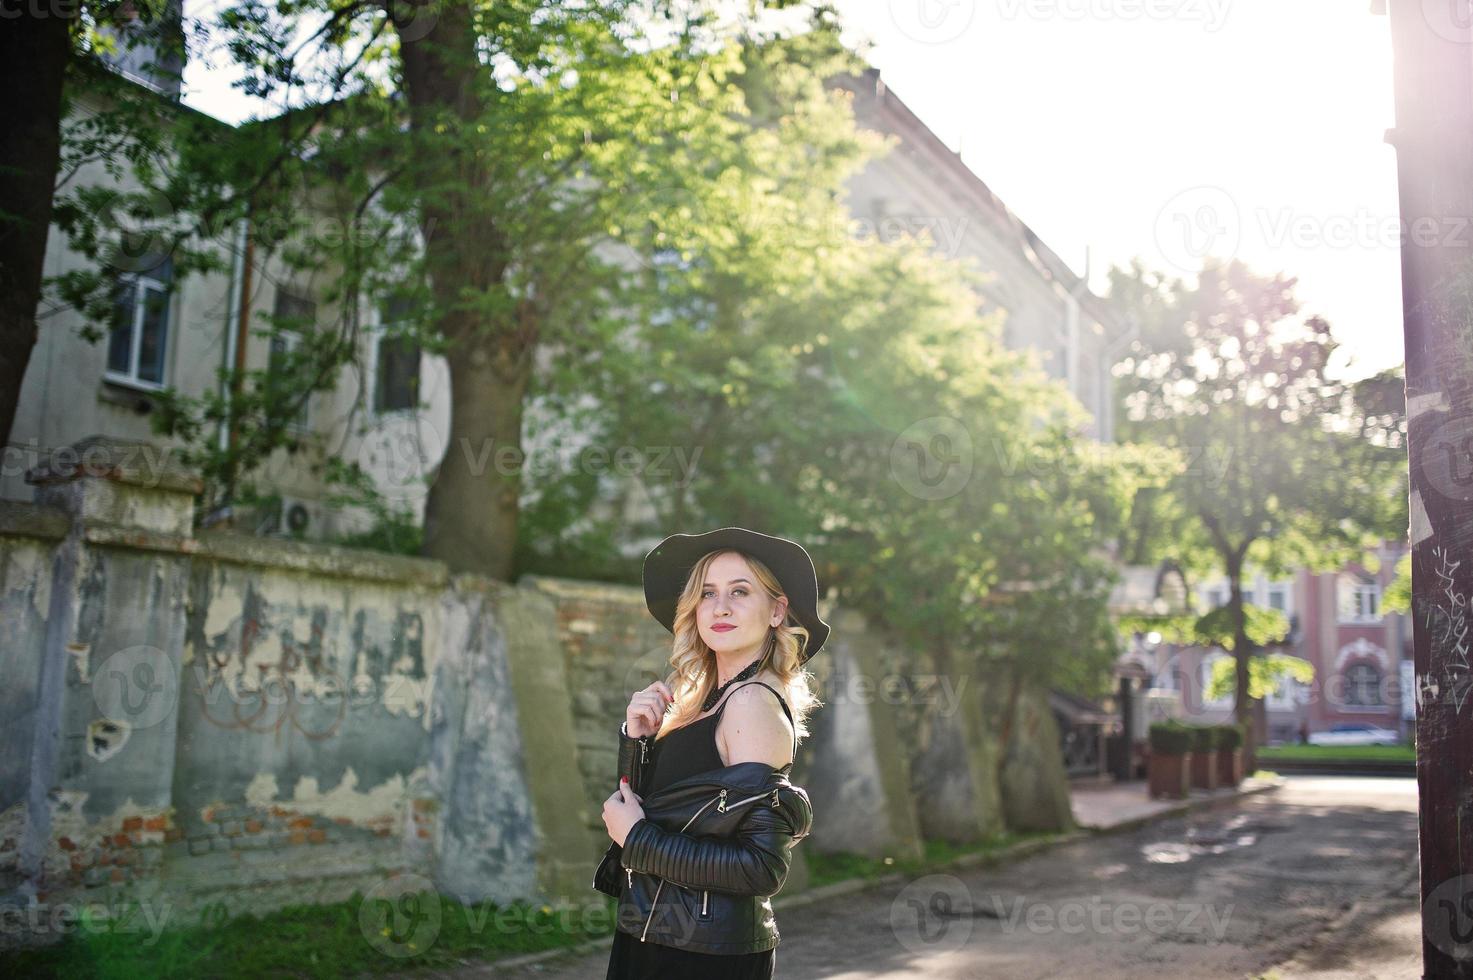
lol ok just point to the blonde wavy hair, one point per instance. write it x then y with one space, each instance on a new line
693 676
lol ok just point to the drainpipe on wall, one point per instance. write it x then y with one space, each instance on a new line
237 328
232 319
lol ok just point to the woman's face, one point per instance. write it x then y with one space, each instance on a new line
735 613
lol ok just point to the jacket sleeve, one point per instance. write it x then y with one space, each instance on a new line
633 753
754 861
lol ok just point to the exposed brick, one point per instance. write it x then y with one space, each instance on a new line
122 840
117 875
301 823
317 836
253 826
299 837
66 844
208 814
156 824
132 824
422 832
343 821
173 835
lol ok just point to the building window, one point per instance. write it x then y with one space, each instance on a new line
1363 686
396 374
1278 598
1205 671
1216 597
1360 602
138 341
293 316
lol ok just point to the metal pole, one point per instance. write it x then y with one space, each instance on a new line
1432 44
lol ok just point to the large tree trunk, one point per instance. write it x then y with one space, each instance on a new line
471 513
34 48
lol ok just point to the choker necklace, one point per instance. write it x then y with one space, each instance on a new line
715 695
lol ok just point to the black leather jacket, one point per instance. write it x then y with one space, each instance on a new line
699 870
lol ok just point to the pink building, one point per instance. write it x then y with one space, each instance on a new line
1361 654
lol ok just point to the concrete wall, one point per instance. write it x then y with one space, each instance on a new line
241 722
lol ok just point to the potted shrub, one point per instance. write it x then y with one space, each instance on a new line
1229 755
1204 757
1171 746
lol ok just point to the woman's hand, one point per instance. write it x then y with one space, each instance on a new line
622 811
647 709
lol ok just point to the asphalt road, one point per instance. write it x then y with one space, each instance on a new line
1315 880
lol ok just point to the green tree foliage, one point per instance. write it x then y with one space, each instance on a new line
1284 468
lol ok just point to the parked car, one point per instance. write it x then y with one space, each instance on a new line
1355 735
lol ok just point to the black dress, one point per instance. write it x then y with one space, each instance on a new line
684 752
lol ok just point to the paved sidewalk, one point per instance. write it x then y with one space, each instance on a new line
1257 886
1099 807
1108 805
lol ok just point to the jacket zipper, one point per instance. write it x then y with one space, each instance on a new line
705 895
721 799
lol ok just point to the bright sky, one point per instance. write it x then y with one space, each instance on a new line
1168 128
1164 129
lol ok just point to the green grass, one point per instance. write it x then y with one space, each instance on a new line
825 869
309 941
1339 753
315 941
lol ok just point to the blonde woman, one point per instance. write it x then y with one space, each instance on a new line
705 818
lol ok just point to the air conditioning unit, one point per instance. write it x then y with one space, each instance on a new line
295 518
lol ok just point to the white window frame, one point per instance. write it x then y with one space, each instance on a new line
142 284
1352 610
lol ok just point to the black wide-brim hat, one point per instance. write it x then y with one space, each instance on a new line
668 566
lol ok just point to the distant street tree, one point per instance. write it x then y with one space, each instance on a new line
1283 470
